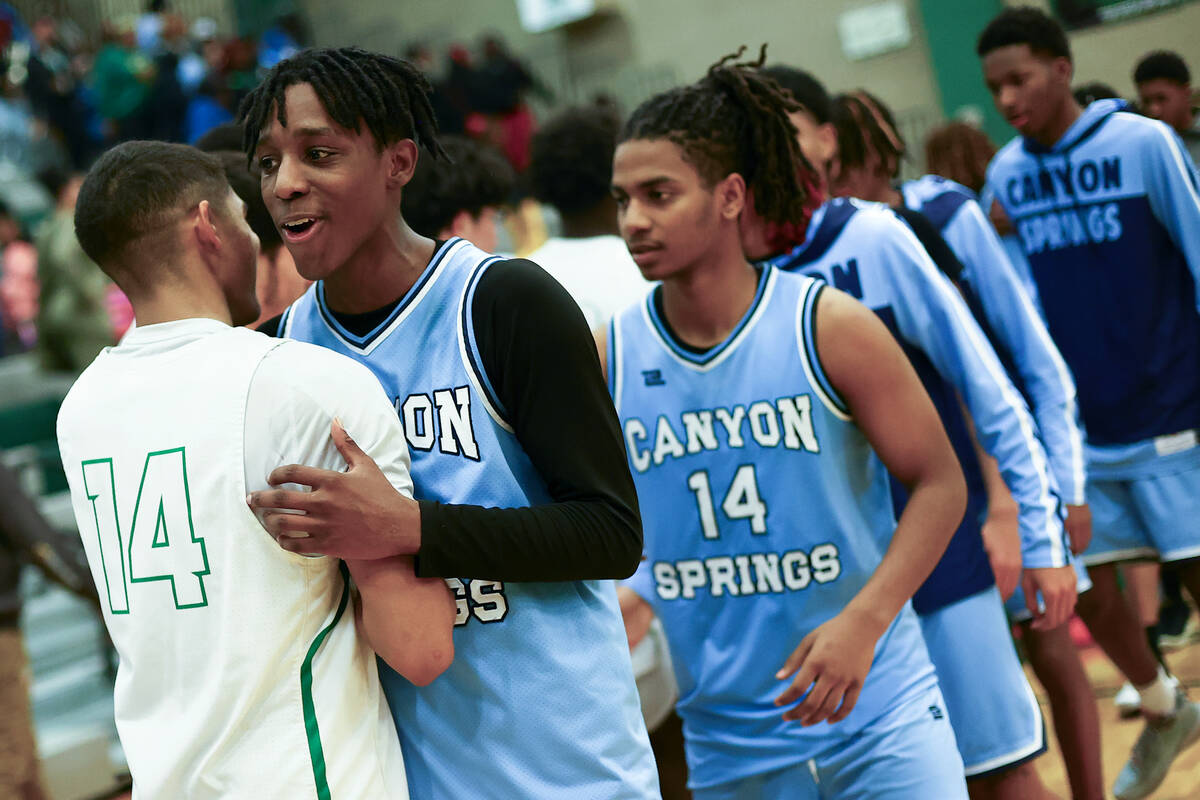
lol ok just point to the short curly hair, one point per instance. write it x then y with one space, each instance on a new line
475 176
1025 25
1162 64
571 159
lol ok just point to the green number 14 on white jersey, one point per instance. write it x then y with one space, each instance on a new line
161 545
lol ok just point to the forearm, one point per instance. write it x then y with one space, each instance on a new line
935 508
408 621
565 541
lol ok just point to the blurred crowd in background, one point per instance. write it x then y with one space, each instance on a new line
65 97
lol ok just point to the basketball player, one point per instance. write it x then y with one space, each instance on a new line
1092 192
525 500
863 248
461 195
753 404
278 283
869 150
571 170
241 673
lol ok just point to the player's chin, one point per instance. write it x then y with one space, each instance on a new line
310 265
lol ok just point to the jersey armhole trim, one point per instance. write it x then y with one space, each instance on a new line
612 362
469 348
316 751
806 341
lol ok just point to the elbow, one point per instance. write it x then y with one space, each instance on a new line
422 668
955 501
629 554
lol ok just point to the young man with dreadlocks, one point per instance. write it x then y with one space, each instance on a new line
524 501
1108 210
867 251
869 151
757 408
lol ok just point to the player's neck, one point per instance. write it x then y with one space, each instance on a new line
880 190
1067 113
382 271
705 304
198 300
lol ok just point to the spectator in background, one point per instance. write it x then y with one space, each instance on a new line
53 94
167 104
149 28
73 320
1164 87
18 282
459 196
121 78
571 170
502 84
208 109
204 55
286 37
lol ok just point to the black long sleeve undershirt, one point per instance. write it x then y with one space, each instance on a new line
541 361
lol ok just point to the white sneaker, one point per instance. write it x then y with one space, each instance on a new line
1157 746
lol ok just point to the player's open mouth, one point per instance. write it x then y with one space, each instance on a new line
298 229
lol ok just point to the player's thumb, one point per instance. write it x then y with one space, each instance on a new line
345 445
1029 587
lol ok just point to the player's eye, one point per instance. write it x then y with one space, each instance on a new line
266 163
658 196
318 154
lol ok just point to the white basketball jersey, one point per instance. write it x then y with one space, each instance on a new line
241 672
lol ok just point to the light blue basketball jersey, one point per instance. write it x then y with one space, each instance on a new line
765 511
1007 313
540 700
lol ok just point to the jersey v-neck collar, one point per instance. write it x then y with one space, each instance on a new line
341 324
705 360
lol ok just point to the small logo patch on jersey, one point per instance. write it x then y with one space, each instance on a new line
936 711
653 377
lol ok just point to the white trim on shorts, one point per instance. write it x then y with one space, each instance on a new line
1113 556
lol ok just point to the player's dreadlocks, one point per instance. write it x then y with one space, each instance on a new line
866 128
735 120
354 86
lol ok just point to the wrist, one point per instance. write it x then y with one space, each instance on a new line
869 618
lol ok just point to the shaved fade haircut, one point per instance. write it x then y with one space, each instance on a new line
140 188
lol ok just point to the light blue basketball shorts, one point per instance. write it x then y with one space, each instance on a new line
909 753
1015 606
993 711
1145 500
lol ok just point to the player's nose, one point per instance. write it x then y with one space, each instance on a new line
289 179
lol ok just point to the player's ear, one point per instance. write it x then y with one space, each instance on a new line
827 144
730 194
204 227
1063 69
401 162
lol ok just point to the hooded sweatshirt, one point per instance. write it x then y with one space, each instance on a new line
1109 219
